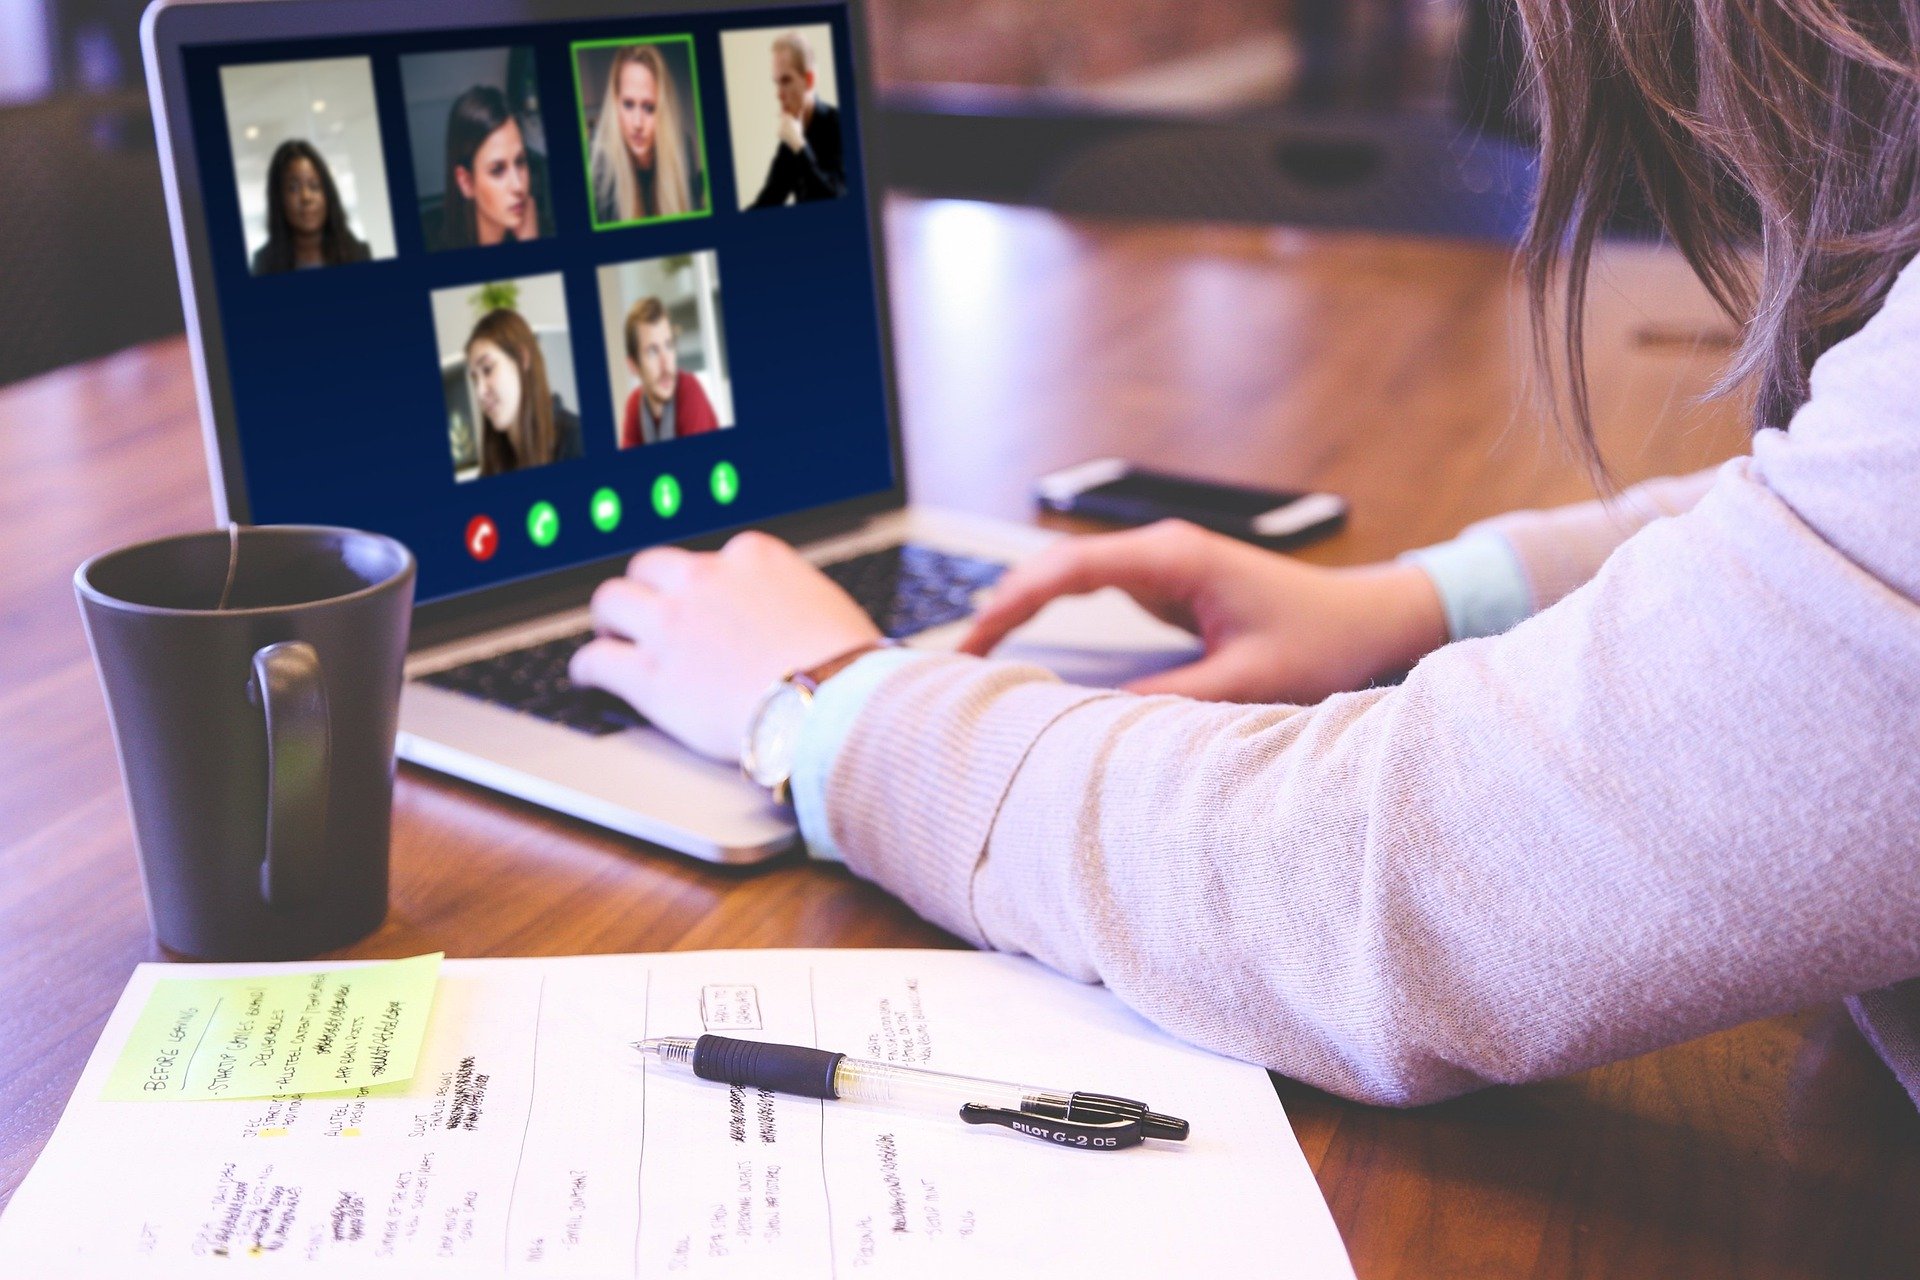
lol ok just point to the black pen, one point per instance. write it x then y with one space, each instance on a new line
1088 1121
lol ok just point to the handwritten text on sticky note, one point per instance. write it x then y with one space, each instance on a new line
256 1037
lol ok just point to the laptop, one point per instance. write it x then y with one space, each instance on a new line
533 284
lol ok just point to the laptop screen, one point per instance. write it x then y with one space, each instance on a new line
529 296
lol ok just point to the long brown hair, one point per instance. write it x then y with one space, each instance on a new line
615 184
533 439
1778 142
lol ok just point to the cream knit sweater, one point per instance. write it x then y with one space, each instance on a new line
1684 794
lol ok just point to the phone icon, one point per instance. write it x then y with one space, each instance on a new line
483 537
543 524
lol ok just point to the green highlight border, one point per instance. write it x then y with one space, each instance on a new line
699 122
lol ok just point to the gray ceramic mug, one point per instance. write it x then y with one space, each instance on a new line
253 681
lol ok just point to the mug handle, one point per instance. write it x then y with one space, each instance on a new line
287 686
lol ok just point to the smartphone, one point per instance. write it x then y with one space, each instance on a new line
1116 490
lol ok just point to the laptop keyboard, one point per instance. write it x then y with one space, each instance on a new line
905 589
908 589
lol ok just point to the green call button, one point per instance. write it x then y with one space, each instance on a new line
605 510
725 483
543 524
666 497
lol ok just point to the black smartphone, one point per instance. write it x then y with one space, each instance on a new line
1116 490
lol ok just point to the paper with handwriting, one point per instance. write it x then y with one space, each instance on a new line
273 1032
532 1141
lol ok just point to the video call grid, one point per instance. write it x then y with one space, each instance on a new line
559 253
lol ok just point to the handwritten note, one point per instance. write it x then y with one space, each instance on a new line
532 1141
277 1033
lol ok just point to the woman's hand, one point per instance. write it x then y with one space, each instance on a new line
693 639
1275 629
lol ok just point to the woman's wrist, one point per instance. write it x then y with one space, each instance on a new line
837 704
1409 619
1482 586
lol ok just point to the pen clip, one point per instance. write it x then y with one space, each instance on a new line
1090 1122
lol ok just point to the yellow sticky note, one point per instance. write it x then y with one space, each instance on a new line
277 1033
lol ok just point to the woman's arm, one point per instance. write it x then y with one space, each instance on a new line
1680 799
1558 549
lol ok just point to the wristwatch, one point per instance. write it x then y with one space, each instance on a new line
773 730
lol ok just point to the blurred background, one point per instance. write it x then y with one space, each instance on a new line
1387 114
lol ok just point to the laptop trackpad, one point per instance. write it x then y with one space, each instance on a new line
1099 639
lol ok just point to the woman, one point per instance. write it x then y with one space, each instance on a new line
490 195
1680 795
306 225
522 423
640 166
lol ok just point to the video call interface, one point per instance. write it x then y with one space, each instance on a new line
528 297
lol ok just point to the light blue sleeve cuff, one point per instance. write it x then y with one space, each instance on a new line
836 706
1482 586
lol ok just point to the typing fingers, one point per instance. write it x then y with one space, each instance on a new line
1138 561
663 568
627 608
619 666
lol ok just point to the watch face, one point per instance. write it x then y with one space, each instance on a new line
775 734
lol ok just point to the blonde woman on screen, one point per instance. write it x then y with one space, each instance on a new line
640 167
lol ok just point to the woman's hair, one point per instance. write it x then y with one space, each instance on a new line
476 114
615 184
533 439
1778 142
337 242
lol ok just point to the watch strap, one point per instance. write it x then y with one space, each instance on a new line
813 677
808 681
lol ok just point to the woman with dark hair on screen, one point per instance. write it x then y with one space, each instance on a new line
1653 772
640 166
490 196
306 224
522 423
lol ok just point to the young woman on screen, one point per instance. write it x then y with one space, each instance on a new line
1663 779
522 423
639 166
306 224
490 196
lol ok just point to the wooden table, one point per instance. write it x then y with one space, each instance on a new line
1385 370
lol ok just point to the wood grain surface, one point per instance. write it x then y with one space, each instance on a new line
1389 371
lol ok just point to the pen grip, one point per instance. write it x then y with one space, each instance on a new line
783 1068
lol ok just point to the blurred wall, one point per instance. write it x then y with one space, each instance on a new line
1053 43
87 254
